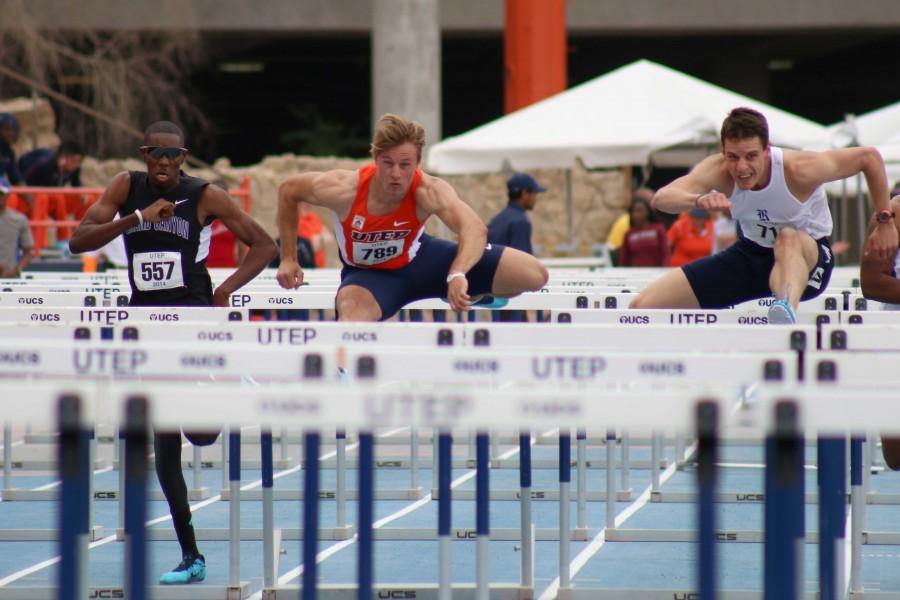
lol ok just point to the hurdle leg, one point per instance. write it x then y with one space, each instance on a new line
70 455
340 516
707 424
625 481
7 457
784 465
84 527
268 508
199 492
445 466
482 517
121 499
91 531
225 445
610 479
414 490
134 465
858 510
310 513
832 504
565 478
679 450
581 475
655 459
527 564
366 546
234 510
435 470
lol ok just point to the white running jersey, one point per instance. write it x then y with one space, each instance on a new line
762 213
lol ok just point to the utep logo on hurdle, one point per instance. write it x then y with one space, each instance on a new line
420 409
107 361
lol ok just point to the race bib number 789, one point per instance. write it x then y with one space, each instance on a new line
157 271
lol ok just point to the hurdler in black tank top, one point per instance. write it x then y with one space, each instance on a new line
162 257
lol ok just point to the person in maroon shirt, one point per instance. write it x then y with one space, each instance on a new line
645 243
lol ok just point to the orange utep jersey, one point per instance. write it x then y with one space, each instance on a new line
379 241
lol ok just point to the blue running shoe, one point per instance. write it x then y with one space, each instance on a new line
189 570
781 313
487 301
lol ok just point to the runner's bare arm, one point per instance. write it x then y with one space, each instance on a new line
261 248
436 196
812 169
705 186
98 227
332 189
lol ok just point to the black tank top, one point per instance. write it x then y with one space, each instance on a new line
167 260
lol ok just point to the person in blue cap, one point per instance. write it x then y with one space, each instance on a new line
9 133
511 226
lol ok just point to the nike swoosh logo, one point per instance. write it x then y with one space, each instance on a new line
399 223
177 202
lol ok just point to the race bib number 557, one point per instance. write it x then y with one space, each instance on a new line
157 271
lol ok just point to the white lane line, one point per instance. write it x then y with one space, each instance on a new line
600 539
54 484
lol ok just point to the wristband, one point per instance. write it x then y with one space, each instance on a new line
139 216
453 276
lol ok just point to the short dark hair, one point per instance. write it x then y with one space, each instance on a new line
69 148
743 123
164 127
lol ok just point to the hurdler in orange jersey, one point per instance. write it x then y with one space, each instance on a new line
389 261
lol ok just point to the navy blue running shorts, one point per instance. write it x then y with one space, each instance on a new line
741 272
425 277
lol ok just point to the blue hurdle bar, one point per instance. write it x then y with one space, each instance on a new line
366 553
234 508
268 509
71 452
784 507
565 478
832 461
310 513
858 500
445 466
482 516
136 436
707 451
527 564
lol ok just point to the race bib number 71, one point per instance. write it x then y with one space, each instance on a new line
157 271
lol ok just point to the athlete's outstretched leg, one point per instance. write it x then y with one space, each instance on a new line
518 272
672 290
356 303
796 253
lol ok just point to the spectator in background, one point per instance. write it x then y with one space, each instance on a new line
14 236
691 236
42 167
9 133
511 227
645 243
224 251
620 226
311 228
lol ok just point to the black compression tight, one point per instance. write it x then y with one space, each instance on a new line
167 447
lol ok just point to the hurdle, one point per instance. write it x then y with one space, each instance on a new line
813 411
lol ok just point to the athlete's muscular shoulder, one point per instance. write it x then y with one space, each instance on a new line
335 189
434 195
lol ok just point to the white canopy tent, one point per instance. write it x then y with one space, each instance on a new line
879 128
642 113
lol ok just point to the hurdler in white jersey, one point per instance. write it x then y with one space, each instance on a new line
777 197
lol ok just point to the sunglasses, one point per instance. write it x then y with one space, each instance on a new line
157 152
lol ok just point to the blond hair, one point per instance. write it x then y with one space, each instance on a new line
392 131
